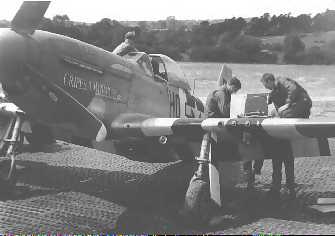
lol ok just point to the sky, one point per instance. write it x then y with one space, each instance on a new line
146 10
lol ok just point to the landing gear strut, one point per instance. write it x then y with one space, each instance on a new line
11 140
197 205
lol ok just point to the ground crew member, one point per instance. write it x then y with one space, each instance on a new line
196 199
218 101
218 106
291 101
127 46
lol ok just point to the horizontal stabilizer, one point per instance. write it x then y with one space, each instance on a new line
29 16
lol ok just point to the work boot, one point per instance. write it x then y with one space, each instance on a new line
250 180
273 194
257 166
291 193
250 186
290 188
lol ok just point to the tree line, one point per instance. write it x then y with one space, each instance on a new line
232 40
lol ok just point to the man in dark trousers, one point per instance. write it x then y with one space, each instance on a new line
291 101
127 46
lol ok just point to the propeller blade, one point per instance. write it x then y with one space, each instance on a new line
29 16
225 75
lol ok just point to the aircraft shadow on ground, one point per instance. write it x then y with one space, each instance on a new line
129 188
150 199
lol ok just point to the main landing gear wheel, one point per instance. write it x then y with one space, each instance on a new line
197 206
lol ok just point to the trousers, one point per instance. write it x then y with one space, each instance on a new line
256 165
284 153
286 157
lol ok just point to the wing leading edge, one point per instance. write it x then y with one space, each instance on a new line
282 128
308 137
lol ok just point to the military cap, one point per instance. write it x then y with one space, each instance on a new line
130 35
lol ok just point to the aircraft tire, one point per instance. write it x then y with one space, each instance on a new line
197 202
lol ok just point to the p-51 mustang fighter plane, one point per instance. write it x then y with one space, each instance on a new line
83 93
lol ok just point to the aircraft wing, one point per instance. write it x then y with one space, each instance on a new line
282 128
251 135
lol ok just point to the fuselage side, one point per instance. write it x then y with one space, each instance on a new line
106 84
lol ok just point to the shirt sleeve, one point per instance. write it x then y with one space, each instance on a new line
224 106
211 108
269 101
292 91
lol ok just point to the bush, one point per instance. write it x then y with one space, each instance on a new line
248 45
266 58
315 55
217 54
278 47
293 49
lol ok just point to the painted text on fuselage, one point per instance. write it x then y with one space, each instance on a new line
99 89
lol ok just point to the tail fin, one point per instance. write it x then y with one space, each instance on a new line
225 75
29 16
